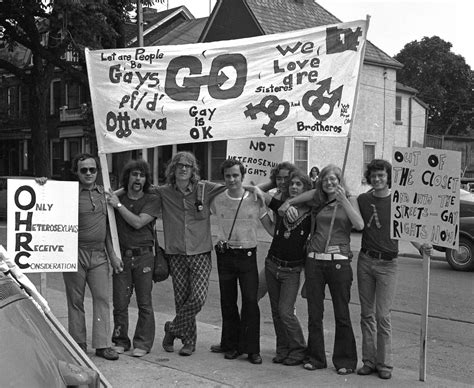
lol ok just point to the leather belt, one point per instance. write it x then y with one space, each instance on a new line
130 252
285 264
327 256
379 255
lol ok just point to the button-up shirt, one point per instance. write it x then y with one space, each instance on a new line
187 229
92 217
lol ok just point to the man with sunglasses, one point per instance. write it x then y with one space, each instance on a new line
94 246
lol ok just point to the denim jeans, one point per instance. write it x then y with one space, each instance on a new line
239 331
93 269
137 274
283 285
337 274
377 284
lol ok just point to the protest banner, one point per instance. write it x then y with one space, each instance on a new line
298 83
425 209
42 225
425 196
258 156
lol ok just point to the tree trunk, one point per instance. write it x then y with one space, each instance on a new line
39 109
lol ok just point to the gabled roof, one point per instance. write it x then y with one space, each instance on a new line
152 21
187 32
275 16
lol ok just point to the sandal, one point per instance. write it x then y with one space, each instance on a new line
309 366
345 371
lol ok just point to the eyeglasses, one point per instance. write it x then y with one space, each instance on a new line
331 179
84 170
138 174
182 165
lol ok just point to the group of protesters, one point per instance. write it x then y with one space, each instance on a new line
310 221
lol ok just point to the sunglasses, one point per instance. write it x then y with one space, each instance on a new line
182 165
84 170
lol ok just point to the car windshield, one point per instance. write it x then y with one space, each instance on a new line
466 196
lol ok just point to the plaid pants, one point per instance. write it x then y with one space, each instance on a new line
190 276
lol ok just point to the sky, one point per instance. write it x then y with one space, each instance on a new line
393 23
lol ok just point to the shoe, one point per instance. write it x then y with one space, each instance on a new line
291 362
385 374
255 358
119 349
218 349
83 346
308 365
345 371
232 354
168 339
187 350
107 353
139 352
278 359
365 370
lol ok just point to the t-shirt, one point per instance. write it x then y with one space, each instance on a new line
289 245
244 233
137 238
376 212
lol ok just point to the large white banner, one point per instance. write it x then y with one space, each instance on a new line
42 225
299 83
425 196
259 156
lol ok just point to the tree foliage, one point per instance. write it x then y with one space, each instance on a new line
444 82
48 29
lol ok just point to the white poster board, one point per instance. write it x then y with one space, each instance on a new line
42 225
425 196
297 83
258 156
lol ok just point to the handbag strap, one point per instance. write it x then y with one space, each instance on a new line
330 227
235 217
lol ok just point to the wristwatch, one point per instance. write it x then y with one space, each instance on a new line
119 205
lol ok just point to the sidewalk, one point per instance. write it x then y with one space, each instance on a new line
206 369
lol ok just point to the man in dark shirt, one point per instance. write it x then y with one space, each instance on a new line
136 212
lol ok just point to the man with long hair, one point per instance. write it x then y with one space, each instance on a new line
136 212
185 203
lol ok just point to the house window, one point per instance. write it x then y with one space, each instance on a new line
55 99
301 154
218 155
398 110
369 155
73 95
13 102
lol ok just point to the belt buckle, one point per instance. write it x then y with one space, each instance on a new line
128 253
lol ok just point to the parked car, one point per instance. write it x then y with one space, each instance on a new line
3 193
462 259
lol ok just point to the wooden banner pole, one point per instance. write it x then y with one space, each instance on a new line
424 315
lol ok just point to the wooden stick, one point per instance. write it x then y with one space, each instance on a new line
424 315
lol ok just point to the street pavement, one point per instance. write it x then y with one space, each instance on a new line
206 369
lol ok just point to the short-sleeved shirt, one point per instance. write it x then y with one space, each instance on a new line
187 229
137 238
92 218
289 245
376 212
244 233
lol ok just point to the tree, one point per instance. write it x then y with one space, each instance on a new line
444 82
48 29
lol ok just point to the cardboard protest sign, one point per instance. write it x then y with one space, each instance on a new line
425 196
298 83
42 225
258 156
